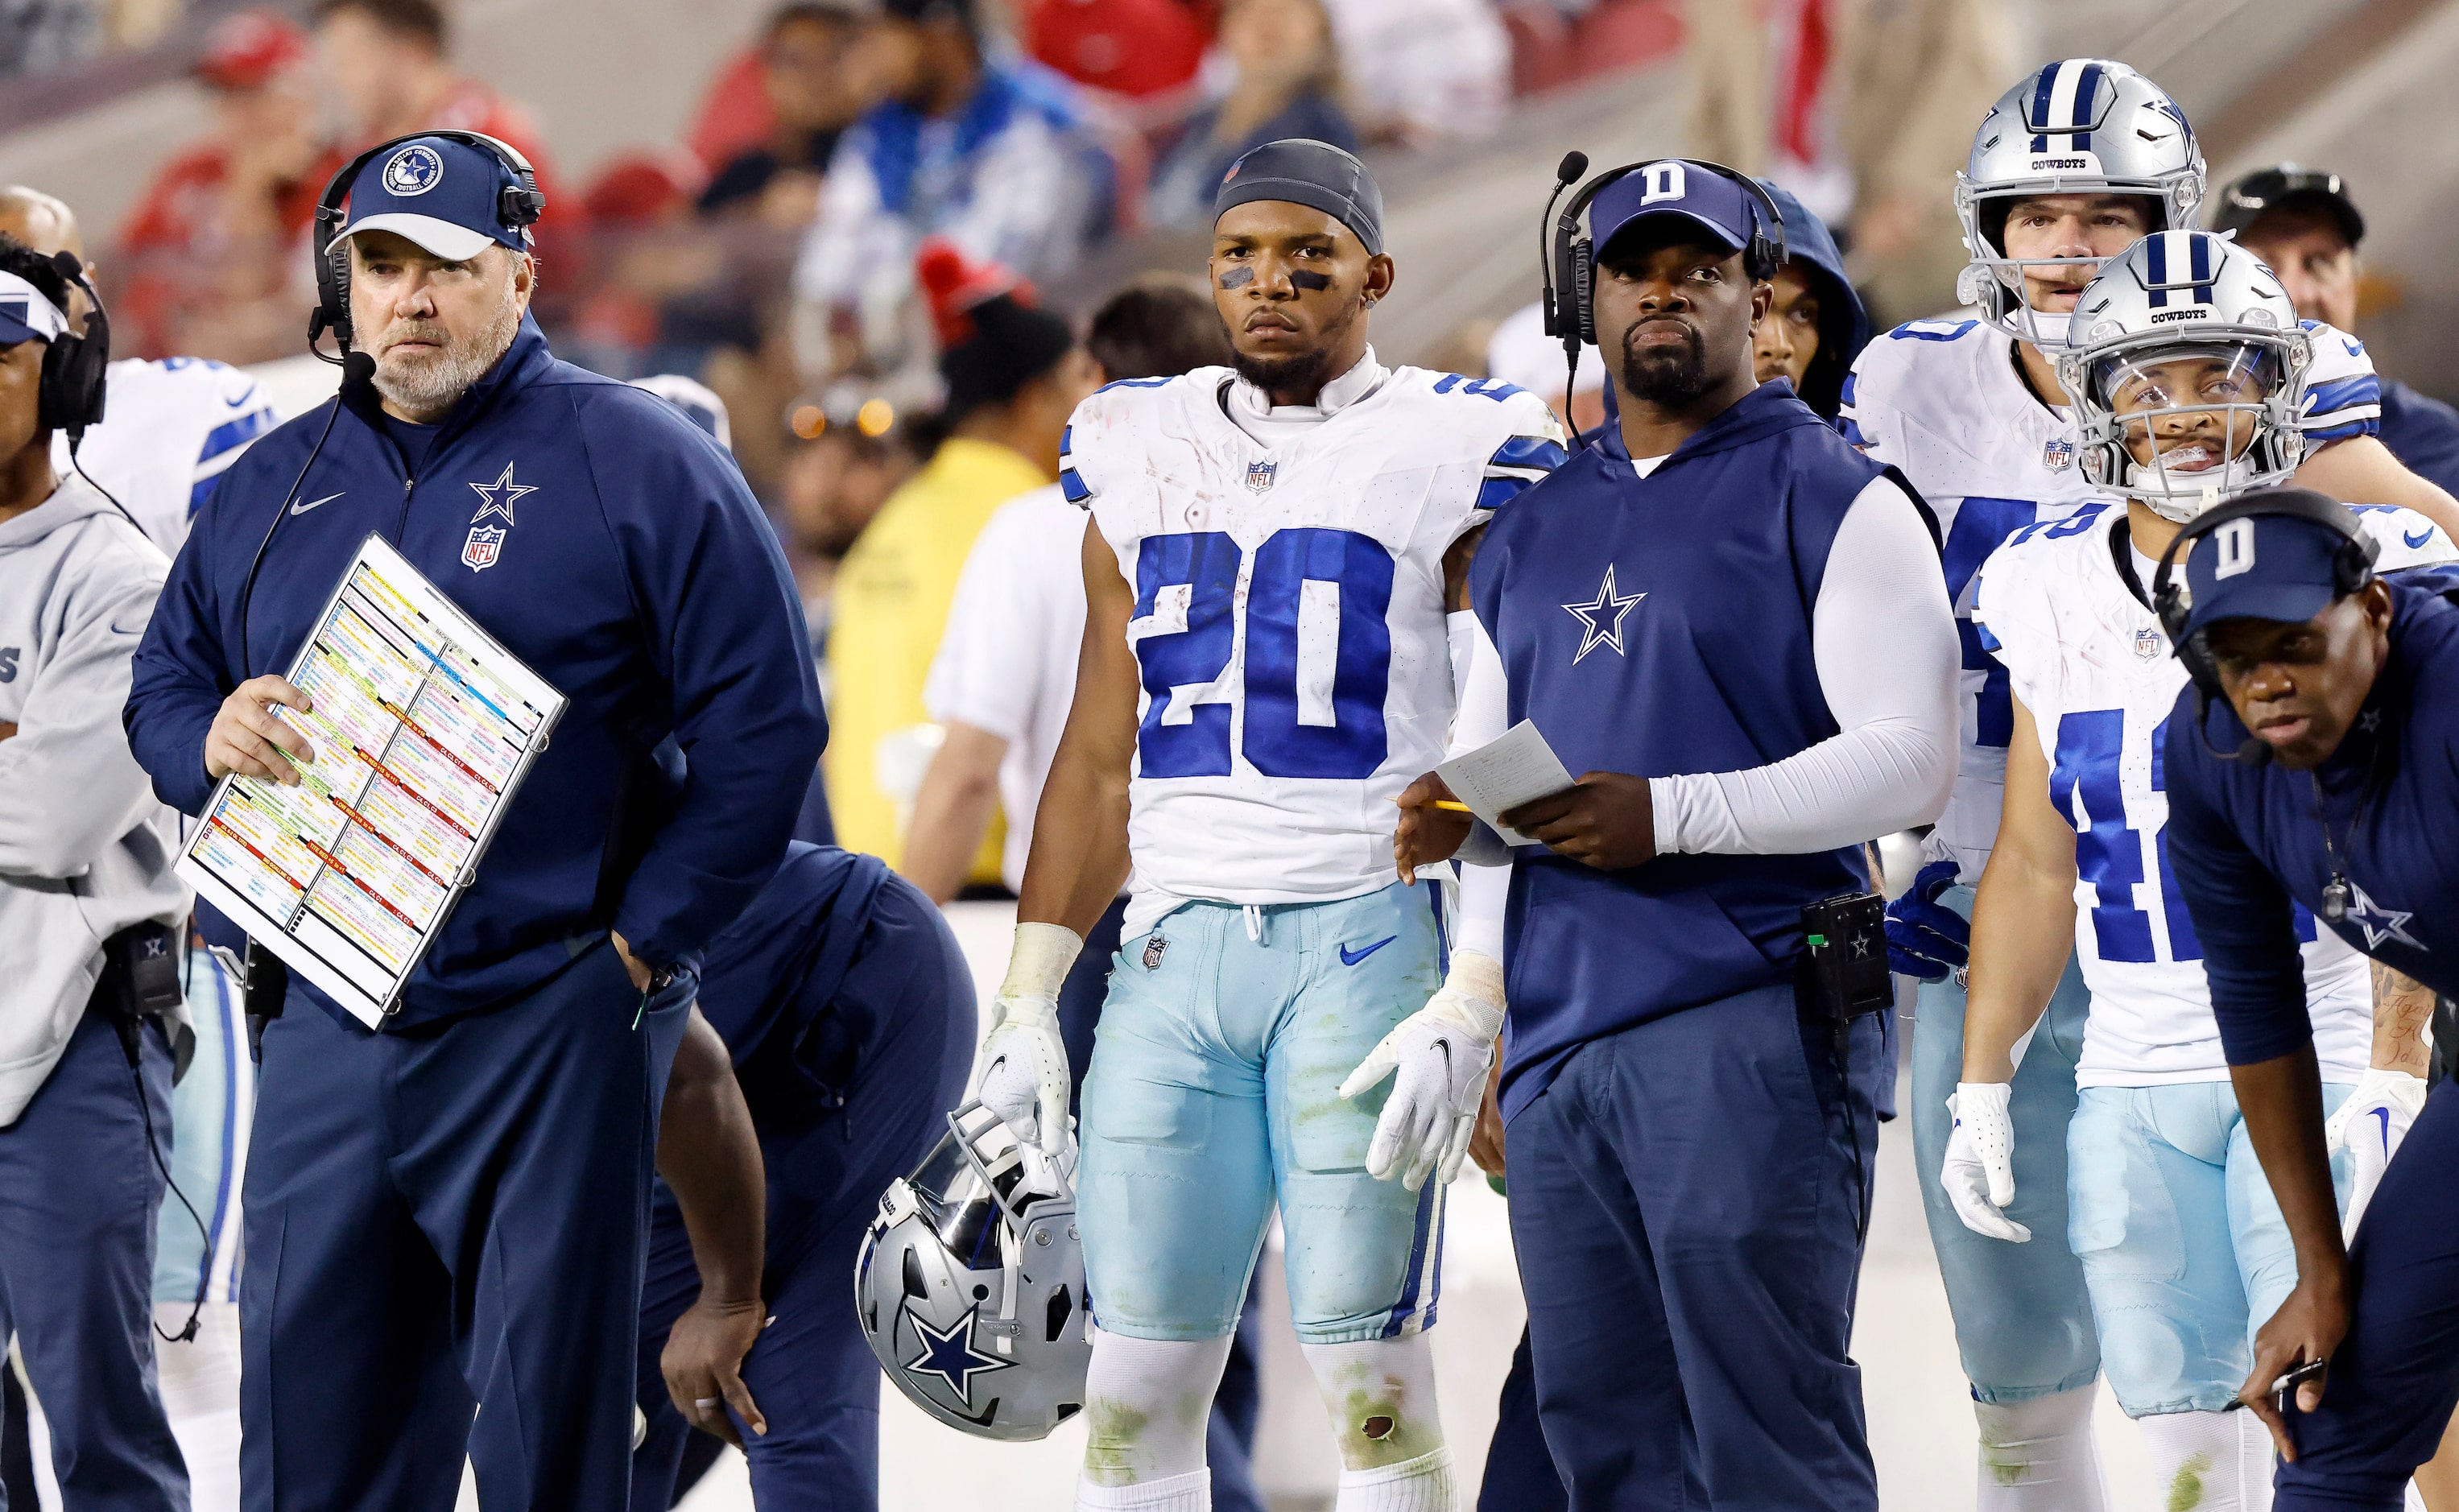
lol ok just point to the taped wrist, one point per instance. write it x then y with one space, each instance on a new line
1038 964
1477 977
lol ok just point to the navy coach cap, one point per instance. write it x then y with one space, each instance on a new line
1300 170
2262 567
447 196
1710 201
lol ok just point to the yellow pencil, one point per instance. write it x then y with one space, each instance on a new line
1456 807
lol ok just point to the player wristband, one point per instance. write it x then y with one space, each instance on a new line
1038 964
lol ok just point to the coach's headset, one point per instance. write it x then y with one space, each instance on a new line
2352 567
518 204
70 393
1570 257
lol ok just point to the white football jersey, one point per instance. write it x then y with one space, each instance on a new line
2086 655
1942 400
169 430
1289 619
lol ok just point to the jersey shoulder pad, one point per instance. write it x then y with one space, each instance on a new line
2342 392
2405 538
1114 415
1915 368
2020 586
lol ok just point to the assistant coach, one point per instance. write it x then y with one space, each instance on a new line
1736 626
451 1213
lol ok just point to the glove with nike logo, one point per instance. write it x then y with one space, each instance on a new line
1925 938
1979 1172
1022 1073
2370 1126
1438 1057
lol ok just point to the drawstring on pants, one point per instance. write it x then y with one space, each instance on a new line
1254 913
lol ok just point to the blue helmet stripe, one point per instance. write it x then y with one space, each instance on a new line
2200 260
2047 83
2087 86
2156 255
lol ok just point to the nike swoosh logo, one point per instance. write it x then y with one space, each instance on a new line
2355 349
2417 539
2384 1114
1349 958
302 509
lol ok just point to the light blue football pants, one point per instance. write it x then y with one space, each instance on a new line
2023 1318
1211 1096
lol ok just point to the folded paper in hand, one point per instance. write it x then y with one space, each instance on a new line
1520 767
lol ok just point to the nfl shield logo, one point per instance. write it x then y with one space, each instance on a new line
478 553
2146 643
2058 455
1259 475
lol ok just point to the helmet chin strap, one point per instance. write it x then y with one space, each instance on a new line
2041 328
2226 483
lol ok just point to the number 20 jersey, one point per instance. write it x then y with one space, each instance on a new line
2087 658
1941 399
1289 620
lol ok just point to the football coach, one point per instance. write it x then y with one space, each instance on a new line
450 1215
1735 625
2313 767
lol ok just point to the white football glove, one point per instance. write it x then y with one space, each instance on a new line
2370 1126
1438 1057
1979 1173
1022 1073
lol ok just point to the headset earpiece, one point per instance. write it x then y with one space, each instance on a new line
72 386
1571 274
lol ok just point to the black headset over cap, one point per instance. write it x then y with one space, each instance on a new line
518 204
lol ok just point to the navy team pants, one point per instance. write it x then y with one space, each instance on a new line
812 1373
78 1194
1684 1202
2395 1378
450 1219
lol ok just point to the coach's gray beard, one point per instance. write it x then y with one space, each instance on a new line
431 385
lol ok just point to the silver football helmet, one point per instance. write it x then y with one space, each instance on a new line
2078 126
2191 330
970 1284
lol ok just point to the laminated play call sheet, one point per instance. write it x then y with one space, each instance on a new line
422 726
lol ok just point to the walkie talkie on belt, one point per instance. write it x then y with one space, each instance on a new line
140 980
266 982
1845 940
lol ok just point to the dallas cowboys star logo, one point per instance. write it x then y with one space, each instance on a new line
1601 618
499 496
951 1355
2378 922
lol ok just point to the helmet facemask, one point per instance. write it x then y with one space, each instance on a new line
1997 281
2185 421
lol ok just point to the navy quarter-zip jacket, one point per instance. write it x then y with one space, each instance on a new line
635 573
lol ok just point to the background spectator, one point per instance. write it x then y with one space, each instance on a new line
1013 373
1423 70
993 154
213 258
2304 224
385 59
1287 84
1144 55
814 91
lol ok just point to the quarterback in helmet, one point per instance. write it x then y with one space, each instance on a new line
1270 554
2190 375
2073 166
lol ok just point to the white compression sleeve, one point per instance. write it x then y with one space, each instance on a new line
2213 1462
2038 1455
1484 714
1882 637
1149 1402
1381 1394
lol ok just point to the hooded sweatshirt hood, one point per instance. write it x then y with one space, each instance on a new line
1843 324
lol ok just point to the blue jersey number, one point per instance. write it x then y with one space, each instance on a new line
2090 793
1278 740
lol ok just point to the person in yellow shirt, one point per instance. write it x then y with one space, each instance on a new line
1013 373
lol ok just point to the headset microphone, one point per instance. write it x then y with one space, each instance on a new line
1574 166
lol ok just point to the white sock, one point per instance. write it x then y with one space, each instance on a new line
2211 1461
1191 1492
1381 1394
1424 1484
2037 1456
1148 1401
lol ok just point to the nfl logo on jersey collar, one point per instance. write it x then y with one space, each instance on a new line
2058 454
1259 475
2146 643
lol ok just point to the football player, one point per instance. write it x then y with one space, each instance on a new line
2188 368
2070 167
173 426
1272 551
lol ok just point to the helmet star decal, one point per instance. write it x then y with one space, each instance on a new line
951 1355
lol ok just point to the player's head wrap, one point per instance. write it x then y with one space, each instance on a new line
1299 170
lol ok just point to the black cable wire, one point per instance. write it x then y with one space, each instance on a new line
248 587
145 1111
